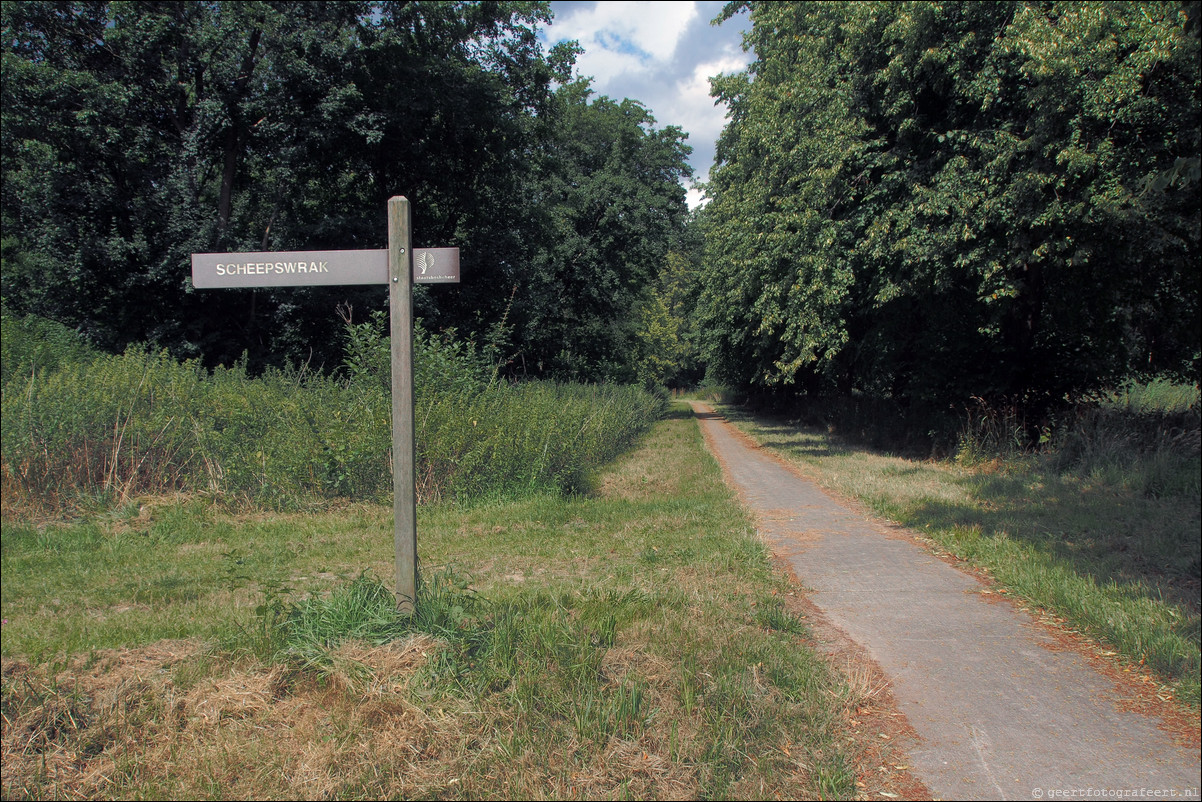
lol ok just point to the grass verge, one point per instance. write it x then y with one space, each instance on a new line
1113 563
634 643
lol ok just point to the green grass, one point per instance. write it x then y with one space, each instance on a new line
634 642
1097 548
1156 397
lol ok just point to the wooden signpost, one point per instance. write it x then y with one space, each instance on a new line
399 266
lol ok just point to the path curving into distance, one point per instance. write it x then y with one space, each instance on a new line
1002 711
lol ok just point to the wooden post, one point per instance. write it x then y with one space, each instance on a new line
404 494
393 266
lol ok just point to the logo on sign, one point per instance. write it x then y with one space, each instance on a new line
423 261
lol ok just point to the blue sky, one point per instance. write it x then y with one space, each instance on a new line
661 54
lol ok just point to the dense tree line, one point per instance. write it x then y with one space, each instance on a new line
934 201
137 133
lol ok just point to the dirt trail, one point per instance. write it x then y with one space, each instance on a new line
1001 708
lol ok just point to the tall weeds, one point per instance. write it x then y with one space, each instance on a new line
1145 436
110 427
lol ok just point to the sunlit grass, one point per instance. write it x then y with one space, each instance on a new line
628 643
94 432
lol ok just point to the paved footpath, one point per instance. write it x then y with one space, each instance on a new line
1000 711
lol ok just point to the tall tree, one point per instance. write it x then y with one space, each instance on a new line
135 134
611 208
932 201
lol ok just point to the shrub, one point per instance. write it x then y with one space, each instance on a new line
526 436
1144 436
116 423
441 362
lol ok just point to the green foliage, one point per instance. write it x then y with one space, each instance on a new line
1160 396
932 202
442 363
305 633
476 436
658 345
1145 437
526 436
30 344
250 126
775 617
665 350
142 422
135 134
989 433
613 209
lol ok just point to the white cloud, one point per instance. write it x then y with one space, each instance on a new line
691 106
605 66
623 37
662 54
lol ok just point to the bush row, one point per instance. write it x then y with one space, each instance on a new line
78 424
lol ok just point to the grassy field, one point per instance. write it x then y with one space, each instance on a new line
631 642
1104 551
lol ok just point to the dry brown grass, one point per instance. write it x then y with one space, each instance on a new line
651 471
103 725
132 720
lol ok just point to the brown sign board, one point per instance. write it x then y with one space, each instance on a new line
318 268
436 265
